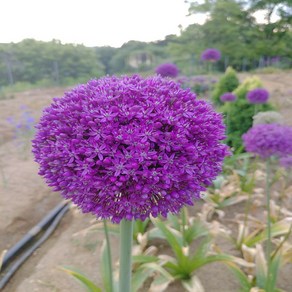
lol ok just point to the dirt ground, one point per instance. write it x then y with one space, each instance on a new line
25 199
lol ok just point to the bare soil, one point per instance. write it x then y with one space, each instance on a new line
25 199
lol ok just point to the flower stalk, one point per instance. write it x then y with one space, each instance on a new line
126 239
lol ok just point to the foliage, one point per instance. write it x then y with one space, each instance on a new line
241 112
227 83
32 61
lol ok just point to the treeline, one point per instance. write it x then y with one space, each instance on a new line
230 27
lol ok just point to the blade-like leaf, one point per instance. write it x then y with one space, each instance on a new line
278 229
142 259
172 236
105 267
241 276
274 271
159 284
193 285
261 267
90 286
139 277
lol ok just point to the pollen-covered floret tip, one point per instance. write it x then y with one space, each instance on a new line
130 147
268 140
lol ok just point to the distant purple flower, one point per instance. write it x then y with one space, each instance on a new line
228 97
128 147
268 140
167 70
211 54
258 95
286 162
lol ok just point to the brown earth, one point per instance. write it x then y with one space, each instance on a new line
25 199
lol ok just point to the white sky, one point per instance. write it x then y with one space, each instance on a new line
92 22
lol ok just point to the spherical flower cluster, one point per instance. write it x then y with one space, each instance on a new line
268 140
228 97
167 70
211 54
129 147
269 117
258 95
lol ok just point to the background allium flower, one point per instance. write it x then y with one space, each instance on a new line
167 70
286 162
228 97
258 95
129 147
269 117
269 140
211 54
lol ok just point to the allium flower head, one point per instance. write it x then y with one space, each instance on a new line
211 54
258 95
128 147
228 97
167 70
268 140
269 117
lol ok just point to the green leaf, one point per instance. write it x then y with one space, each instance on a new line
278 229
90 286
173 237
139 277
275 265
105 267
242 277
160 283
142 259
261 267
140 227
193 285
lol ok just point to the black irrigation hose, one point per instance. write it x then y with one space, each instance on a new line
31 234
14 267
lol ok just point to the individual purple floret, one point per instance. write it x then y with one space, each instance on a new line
268 140
258 95
129 147
228 97
211 54
167 70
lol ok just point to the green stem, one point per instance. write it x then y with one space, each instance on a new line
126 239
268 199
109 255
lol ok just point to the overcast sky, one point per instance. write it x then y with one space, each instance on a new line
92 22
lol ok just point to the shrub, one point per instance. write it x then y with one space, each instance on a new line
227 83
241 112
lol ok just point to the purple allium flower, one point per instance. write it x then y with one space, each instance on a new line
268 140
167 70
128 147
258 95
228 97
286 161
211 54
